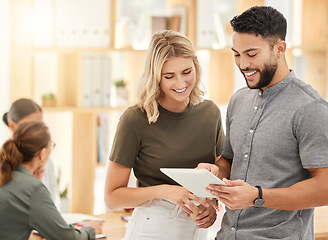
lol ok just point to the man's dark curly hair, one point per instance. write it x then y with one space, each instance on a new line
261 20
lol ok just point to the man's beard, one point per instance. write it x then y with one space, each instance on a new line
266 75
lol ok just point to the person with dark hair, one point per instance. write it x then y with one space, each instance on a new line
25 203
21 110
172 126
275 155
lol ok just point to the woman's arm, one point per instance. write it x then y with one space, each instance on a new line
118 195
224 165
45 218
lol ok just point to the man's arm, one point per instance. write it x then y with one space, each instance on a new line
306 194
309 193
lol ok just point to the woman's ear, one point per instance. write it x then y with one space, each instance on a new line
12 125
42 155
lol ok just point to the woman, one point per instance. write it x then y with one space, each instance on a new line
23 109
25 203
172 126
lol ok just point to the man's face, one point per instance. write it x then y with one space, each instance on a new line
255 59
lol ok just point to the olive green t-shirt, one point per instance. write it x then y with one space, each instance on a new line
176 140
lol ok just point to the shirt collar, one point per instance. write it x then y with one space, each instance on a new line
21 168
279 86
170 114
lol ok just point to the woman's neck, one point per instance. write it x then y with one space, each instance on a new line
174 107
31 166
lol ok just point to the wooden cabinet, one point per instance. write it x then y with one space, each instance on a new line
221 71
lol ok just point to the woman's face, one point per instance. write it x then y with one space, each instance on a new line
47 152
178 78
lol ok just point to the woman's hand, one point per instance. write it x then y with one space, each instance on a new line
96 225
183 198
208 215
210 167
38 173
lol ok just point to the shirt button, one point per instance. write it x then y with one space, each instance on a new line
260 93
233 229
246 155
251 131
255 108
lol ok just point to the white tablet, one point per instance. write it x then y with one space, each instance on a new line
195 180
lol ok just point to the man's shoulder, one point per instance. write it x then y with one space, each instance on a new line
305 92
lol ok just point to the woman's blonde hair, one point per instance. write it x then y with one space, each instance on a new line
164 45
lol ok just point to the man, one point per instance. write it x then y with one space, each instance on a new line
275 153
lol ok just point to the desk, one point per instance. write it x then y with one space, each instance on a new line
321 223
113 228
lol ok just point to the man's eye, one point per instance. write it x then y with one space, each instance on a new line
252 55
236 55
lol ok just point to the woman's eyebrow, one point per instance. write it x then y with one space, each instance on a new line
167 73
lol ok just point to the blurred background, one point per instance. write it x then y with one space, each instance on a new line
81 59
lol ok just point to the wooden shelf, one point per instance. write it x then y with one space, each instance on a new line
83 50
69 75
81 109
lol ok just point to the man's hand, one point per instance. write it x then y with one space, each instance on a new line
236 195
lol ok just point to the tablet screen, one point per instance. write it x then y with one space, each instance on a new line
195 180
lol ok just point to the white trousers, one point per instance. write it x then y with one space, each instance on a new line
162 220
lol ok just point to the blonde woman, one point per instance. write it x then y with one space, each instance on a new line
172 126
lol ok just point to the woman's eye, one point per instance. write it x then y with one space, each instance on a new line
168 77
187 72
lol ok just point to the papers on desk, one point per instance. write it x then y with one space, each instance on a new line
74 218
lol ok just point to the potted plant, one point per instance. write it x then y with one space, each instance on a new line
122 93
48 100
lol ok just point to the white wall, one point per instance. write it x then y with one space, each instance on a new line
4 66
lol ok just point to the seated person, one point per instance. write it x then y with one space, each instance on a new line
25 203
23 109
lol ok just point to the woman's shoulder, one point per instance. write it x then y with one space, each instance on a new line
29 181
133 115
208 105
22 185
132 111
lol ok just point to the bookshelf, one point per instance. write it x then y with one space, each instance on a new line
308 55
